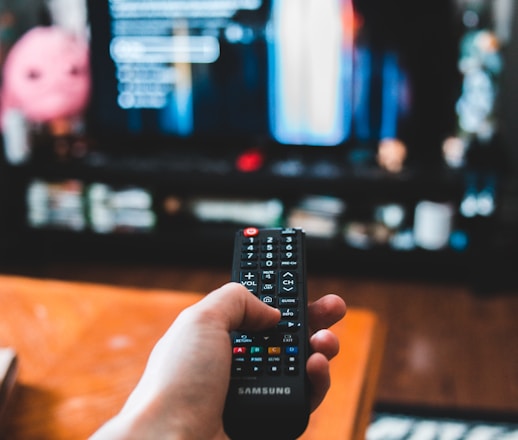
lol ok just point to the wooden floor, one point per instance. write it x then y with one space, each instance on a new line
447 347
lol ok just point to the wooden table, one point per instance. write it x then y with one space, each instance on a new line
82 347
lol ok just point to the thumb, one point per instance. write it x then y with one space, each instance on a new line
240 309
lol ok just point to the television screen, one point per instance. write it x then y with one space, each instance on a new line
274 73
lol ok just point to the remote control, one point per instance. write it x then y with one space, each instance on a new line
268 396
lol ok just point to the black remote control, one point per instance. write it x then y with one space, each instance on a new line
268 397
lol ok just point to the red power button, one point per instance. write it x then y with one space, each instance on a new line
251 232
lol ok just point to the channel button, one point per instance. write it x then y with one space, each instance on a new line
288 283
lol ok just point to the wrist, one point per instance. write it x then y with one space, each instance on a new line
152 423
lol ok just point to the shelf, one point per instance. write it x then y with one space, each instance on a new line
185 237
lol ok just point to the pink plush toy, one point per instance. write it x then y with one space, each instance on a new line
46 76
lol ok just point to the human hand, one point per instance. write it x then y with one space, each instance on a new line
182 391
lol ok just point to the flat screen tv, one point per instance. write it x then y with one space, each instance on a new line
280 75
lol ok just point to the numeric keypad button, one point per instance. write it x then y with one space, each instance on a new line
268 264
268 256
289 247
269 239
249 256
268 248
249 247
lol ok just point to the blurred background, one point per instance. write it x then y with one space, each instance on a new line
137 137
156 126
